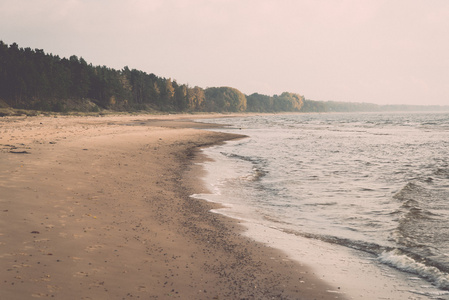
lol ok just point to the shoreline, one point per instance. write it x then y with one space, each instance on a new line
356 273
100 208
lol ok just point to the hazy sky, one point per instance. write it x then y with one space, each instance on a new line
392 51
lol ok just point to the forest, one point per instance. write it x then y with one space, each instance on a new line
33 80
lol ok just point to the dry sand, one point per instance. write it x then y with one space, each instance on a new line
99 208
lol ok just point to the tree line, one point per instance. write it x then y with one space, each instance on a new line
32 79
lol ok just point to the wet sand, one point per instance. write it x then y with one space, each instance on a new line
99 208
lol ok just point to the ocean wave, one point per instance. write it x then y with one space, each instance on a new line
413 207
321 203
442 172
399 260
410 191
256 175
258 170
368 247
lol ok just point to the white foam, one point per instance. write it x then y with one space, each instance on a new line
405 263
354 274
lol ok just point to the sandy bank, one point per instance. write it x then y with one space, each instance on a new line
99 208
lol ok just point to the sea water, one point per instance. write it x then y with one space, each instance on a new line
376 184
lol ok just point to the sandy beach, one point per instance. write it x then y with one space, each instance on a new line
99 208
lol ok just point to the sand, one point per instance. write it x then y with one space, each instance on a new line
99 208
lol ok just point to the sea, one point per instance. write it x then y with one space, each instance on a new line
376 184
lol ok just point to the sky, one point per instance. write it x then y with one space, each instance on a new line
375 51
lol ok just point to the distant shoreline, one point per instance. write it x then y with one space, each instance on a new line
35 81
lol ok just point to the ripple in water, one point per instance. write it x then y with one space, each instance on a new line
377 183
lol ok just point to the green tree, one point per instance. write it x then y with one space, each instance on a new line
181 102
195 98
225 99
288 102
259 103
33 79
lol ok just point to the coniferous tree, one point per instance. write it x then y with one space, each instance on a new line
33 79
